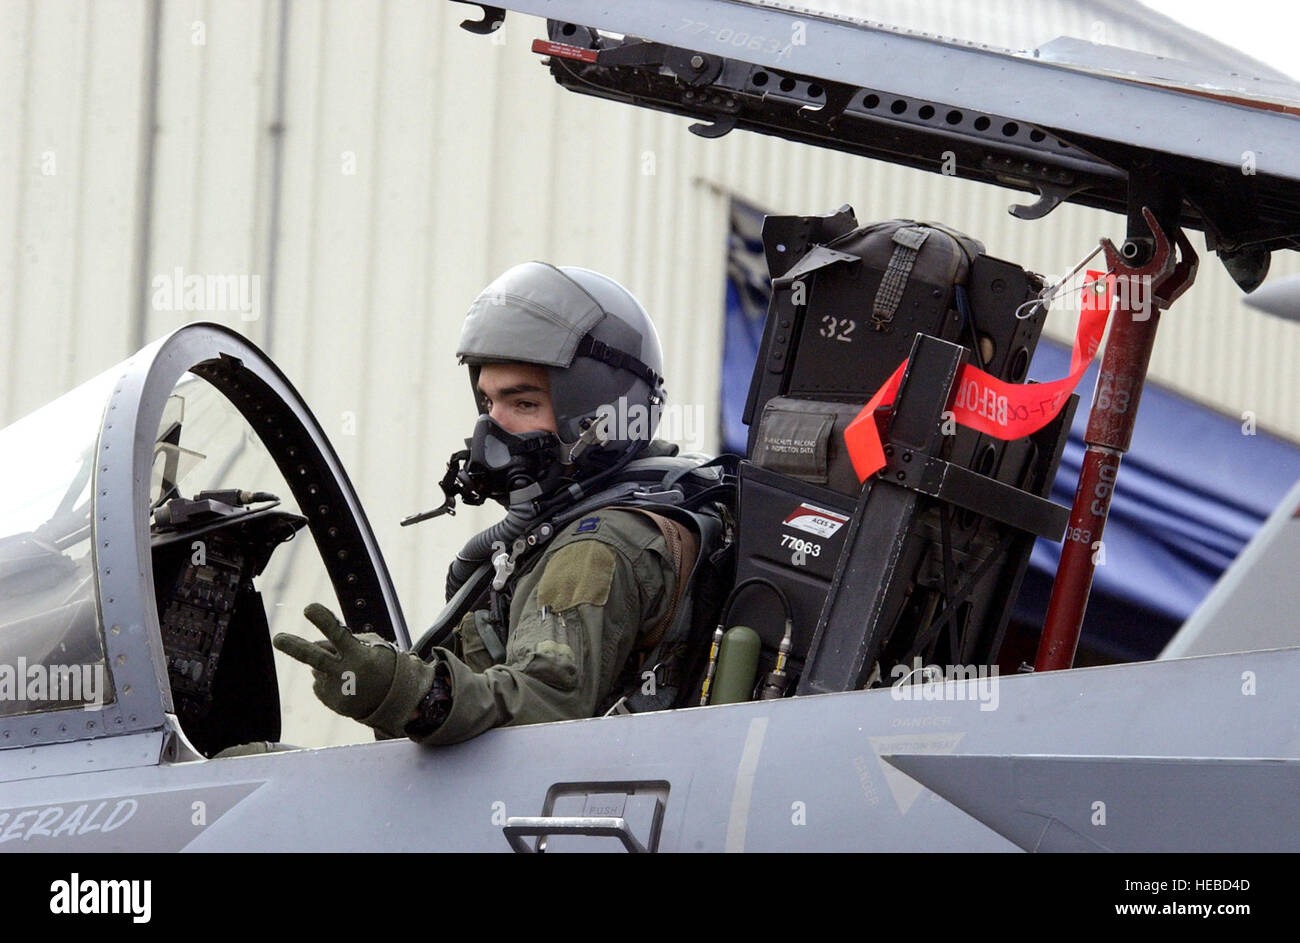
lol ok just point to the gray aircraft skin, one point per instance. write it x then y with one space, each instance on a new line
1181 754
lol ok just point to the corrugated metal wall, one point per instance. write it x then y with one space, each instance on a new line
374 166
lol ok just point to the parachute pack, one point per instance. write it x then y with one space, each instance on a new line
925 558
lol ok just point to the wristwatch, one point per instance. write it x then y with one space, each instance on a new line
434 707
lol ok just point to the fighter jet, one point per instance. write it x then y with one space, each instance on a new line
140 547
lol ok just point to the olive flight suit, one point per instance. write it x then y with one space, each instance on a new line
605 584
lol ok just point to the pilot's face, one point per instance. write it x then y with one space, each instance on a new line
517 396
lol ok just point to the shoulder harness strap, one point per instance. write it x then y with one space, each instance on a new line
683 548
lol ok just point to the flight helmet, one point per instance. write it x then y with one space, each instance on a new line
600 350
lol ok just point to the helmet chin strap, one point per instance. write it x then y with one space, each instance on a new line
585 486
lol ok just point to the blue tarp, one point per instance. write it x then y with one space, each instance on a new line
1191 492
748 289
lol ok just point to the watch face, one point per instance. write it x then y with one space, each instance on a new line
433 708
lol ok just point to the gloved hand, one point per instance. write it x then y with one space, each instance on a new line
360 676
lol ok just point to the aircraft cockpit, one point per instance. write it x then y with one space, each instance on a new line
208 546
154 522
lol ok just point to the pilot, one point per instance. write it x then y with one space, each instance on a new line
559 358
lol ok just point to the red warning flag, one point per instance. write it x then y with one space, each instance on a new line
983 402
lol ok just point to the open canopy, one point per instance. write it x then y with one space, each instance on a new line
1066 118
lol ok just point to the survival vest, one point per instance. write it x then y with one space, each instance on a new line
693 503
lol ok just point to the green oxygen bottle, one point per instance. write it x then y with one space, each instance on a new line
737 666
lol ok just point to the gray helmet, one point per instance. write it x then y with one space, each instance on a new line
599 346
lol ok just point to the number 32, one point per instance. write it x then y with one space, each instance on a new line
837 328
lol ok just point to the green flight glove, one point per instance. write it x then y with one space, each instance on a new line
360 676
